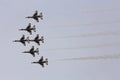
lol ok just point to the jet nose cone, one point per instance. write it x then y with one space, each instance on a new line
20 29
14 41
24 52
33 62
26 17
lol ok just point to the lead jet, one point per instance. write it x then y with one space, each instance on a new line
42 62
32 51
36 17
37 39
29 29
22 40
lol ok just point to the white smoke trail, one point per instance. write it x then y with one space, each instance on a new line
92 34
106 57
93 24
86 47
99 10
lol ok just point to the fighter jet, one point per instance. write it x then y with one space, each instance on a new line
36 16
22 40
42 62
29 29
37 39
32 51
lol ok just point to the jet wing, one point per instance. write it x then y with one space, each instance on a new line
37 42
29 26
41 59
32 49
35 14
23 42
36 18
33 54
37 37
30 31
42 64
22 38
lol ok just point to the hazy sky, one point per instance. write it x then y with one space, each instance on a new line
82 40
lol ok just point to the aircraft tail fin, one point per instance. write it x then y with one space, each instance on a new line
42 39
28 40
41 16
37 51
34 28
46 61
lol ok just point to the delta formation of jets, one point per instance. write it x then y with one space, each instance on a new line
37 39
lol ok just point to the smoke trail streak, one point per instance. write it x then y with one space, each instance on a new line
99 10
91 34
104 22
106 57
86 24
85 47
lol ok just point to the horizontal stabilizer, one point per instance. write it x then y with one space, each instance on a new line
42 39
28 40
37 51
34 28
46 61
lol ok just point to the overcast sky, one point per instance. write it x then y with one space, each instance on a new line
82 40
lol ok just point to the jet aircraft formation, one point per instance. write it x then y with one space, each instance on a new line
30 29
